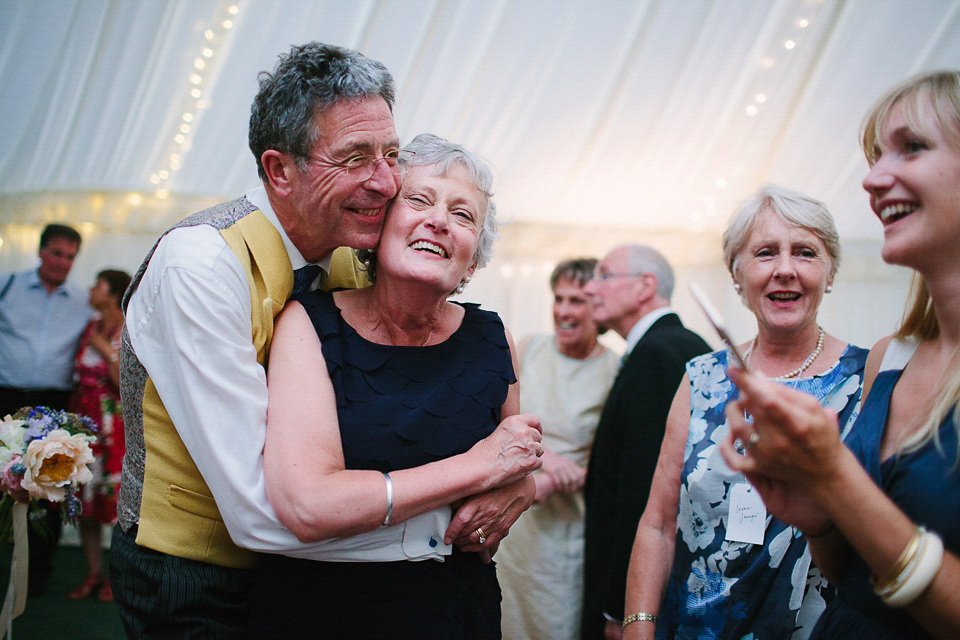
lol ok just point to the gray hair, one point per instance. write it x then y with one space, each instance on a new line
309 79
579 270
432 150
642 258
427 150
793 208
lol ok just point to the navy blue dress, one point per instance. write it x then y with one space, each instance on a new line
925 485
399 407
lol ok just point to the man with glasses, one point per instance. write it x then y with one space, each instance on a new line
630 292
199 320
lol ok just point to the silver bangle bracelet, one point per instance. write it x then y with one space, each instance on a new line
386 520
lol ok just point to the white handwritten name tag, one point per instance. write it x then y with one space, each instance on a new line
748 516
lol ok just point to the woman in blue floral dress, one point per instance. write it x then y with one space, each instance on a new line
708 562
886 505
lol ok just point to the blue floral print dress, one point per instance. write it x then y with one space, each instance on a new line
735 590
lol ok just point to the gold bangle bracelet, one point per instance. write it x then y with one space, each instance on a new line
638 617
894 574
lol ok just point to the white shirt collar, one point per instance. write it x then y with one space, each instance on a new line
258 198
643 325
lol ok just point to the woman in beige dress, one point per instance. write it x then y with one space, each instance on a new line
565 379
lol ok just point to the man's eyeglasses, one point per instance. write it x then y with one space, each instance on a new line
362 167
602 276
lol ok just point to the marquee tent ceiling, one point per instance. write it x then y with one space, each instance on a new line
658 114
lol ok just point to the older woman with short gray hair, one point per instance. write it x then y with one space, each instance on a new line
388 406
792 207
429 150
707 561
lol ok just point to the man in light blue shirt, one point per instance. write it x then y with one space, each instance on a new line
41 320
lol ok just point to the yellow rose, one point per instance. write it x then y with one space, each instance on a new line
54 462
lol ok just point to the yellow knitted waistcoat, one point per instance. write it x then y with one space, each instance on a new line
178 514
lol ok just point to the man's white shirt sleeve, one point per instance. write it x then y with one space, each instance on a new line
189 324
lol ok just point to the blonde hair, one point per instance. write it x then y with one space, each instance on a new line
934 95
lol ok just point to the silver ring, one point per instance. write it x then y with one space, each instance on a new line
752 441
480 535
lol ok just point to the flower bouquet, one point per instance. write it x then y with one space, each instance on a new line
44 455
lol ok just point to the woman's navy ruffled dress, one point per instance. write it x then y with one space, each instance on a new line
400 407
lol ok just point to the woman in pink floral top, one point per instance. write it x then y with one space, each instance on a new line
98 396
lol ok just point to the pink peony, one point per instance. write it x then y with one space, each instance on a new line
10 481
58 460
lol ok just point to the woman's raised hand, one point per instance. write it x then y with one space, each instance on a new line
513 450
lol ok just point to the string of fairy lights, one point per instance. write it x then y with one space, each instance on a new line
91 212
755 104
195 101
140 209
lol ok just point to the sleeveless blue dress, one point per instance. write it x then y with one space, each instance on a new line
724 589
925 485
399 407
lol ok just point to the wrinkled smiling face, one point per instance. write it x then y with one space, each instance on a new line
914 188
783 271
433 228
335 210
572 314
616 298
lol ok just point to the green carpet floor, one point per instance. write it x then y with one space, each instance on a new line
53 616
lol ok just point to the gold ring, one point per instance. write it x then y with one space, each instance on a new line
480 535
539 450
752 441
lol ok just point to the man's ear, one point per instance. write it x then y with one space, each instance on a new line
279 168
650 284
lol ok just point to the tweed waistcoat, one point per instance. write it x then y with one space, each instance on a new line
161 488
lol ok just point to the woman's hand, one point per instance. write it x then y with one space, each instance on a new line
791 437
545 487
512 451
493 513
101 343
791 505
566 475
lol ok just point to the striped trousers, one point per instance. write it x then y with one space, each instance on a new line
164 596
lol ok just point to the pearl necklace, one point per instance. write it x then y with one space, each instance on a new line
803 367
